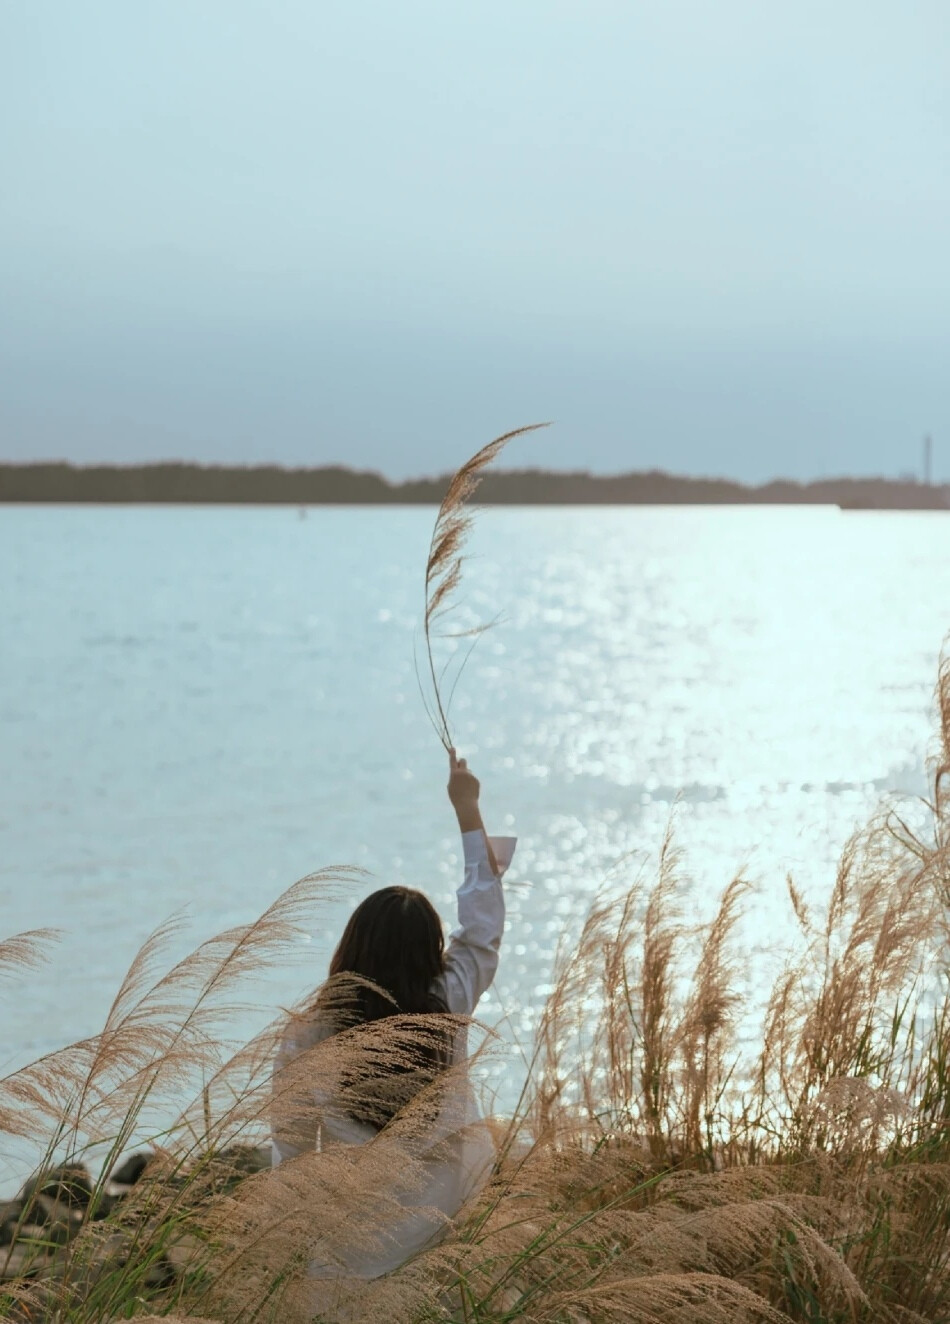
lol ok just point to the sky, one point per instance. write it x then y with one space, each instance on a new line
709 238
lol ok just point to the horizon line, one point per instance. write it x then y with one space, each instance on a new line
902 479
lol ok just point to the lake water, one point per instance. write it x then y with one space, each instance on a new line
199 705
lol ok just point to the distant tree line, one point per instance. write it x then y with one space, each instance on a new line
174 483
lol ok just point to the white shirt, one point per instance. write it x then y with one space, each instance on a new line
429 1180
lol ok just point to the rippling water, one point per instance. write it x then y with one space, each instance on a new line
197 706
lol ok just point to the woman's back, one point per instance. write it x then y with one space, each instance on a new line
393 1084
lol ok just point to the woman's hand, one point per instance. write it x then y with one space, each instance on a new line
463 792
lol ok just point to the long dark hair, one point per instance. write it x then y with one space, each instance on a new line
383 969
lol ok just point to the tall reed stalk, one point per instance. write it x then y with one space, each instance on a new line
443 575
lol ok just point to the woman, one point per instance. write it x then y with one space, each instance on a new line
378 1062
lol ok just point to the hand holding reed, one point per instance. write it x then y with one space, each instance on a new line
463 790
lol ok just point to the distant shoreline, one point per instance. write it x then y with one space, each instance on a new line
195 484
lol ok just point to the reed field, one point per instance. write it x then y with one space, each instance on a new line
656 1169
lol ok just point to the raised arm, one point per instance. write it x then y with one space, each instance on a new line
472 955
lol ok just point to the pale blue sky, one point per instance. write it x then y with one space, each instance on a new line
707 237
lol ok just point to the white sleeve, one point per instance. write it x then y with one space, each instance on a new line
472 955
295 1125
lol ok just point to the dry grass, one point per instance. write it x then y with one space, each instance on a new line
444 575
655 1170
